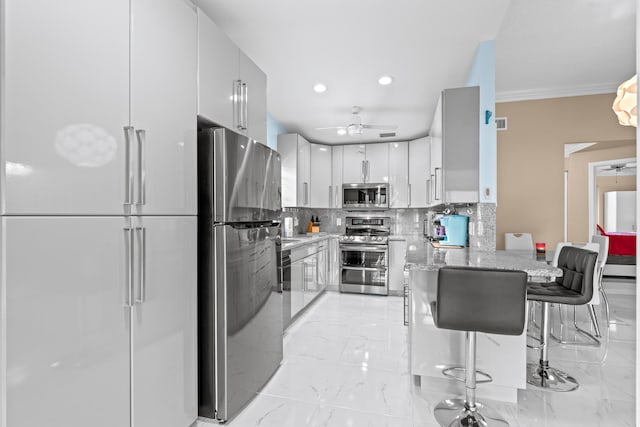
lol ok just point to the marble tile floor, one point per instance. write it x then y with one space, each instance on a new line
346 364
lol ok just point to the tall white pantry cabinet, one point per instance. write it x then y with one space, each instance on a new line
98 202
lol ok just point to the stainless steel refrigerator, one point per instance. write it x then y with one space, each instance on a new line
239 296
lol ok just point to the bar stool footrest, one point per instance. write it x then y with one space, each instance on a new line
451 371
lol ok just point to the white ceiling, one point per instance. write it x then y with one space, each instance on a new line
544 48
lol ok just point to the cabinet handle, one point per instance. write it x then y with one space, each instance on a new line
431 188
362 171
128 263
237 103
436 194
337 197
128 165
142 251
409 193
368 176
141 134
245 106
330 195
306 193
426 190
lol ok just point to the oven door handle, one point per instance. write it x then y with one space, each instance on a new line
371 248
345 267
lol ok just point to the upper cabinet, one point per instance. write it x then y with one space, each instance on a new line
321 187
121 134
420 178
398 174
231 88
295 155
337 154
454 146
366 163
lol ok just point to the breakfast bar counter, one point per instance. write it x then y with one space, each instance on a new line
432 350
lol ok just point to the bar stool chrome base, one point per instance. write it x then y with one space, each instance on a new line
550 378
455 412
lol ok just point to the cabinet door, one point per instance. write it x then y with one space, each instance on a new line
304 172
353 169
256 98
323 265
397 256
311 288
420 184
377 166
67 326
320 186
399 174
66 64
336 175
297 286
163 104
164 322
217 72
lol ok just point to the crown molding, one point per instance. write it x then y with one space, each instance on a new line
531 94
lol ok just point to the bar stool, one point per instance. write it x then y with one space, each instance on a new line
477 300
575 287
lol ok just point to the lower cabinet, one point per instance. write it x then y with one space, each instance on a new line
397 253
309 274
100 321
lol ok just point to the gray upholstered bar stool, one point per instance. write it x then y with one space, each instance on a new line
477 300
575 287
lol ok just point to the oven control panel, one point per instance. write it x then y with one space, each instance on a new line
363 239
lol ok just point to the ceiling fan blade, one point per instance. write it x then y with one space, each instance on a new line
380 127
332 127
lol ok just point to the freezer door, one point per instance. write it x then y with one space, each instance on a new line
248 326
239 179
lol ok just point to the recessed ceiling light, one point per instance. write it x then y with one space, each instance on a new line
342 131
320 87
385 80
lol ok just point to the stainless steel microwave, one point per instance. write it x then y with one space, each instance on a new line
367 196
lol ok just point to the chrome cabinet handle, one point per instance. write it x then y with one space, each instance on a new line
368 174
245 105
330 195
337 197
436 194
362 171
128 262
142 253
409 193
128 165
237 104
428 191
306 193
141 135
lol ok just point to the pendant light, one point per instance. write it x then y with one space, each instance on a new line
626 103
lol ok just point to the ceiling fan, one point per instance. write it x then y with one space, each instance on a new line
356 127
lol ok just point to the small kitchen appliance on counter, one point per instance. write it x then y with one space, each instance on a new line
455 230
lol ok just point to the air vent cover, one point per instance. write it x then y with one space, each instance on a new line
387 134
501 123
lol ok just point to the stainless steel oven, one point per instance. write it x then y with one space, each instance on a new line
364 256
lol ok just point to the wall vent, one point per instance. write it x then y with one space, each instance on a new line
501 123
387 134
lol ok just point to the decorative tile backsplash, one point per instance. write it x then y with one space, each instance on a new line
482 221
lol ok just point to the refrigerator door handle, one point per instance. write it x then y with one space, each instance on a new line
141 135
141 233
128 165
128 262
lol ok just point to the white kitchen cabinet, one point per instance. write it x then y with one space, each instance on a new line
420 184
455 146
163 106
164 353
80 341
399 174
295 157
232 89
216 76
70 71
75 73
397 257
366 163
337 154
321 190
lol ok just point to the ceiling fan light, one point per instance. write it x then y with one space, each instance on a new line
626 103
354 130
385 80
342 131
320 87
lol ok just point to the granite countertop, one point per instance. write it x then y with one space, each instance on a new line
423 256
304 239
